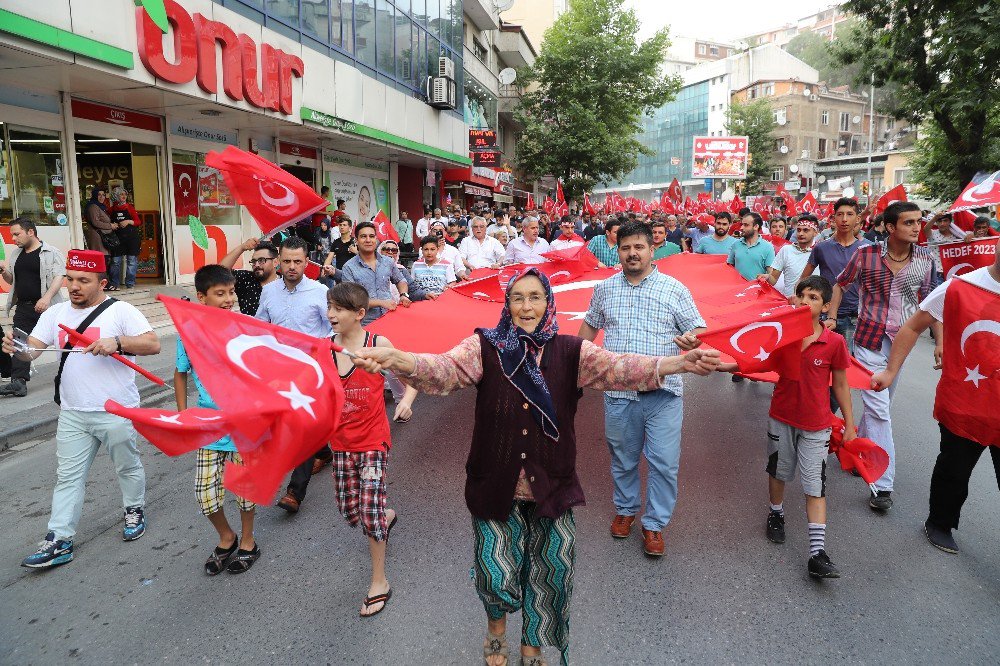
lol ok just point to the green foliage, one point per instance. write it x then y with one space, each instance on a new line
198 232
593 82
942 57
756 121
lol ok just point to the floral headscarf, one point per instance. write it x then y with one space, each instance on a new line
517 352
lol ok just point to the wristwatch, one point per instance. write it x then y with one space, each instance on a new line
118 341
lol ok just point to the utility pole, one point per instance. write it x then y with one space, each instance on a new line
871 135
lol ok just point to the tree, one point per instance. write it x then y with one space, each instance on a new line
594 83
942 55
816 51
756 121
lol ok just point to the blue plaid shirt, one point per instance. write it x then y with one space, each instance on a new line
643 319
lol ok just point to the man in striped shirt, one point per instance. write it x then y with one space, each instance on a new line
892 278
605 247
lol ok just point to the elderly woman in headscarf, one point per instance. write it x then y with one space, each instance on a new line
97 214
390 248
521 480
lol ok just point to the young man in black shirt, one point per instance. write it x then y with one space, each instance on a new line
263 269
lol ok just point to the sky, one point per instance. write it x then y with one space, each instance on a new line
724 20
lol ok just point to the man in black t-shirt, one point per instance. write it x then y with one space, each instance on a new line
263 269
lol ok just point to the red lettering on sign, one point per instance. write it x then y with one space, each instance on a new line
195 58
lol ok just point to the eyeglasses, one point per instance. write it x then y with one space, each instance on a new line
261 260
390 250
533 299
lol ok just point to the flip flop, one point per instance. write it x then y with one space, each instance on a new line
244 560
378 598
219 558
391 524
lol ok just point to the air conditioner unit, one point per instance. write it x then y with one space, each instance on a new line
446 68
442 93
813 98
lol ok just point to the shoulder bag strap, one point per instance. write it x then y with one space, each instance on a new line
84 325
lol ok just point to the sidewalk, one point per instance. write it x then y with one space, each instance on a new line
34 417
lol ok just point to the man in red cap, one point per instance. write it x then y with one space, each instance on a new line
83 383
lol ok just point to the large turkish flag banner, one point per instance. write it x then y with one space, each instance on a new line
274 198
969 391
983 191
960 258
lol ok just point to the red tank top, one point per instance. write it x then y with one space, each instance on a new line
364 425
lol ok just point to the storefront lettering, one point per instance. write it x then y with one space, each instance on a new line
327 120
195 58
96 174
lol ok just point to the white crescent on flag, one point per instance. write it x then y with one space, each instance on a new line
735 339
979 326
283 203
241 344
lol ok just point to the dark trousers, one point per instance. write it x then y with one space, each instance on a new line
950 480
299 482
25 319
5 360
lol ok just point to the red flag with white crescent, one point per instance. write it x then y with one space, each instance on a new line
383 228
960 258
185 190
531 203
675 193
983 191
560 197
786 198
274 198
969 390
765 341
897 193
807 204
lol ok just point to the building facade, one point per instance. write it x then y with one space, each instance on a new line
335 92
824 23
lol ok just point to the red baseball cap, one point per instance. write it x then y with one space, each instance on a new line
88 261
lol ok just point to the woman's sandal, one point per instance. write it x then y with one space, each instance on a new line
219 558
244 560
496 646
378 598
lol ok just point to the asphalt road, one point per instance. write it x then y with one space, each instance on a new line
722 594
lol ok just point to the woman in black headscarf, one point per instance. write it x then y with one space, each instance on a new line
521 480
100 228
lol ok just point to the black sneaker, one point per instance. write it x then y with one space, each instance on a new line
135 523
775 527
881 500
17 388
50 553
940 538
820 566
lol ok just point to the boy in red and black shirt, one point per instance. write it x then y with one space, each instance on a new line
799 425
361 445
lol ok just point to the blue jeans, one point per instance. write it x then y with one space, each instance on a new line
650 426
131 263
79 435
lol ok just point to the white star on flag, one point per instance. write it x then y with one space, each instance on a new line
175 419
298 399
762 355
974 376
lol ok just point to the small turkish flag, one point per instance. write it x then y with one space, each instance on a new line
274 198
897 193
735 205
548 205
560 197
313 270
251 366
786 198
984 190
588 208
765 342
185 190
383 228
675 192
531 203
863 455
969 390
807 204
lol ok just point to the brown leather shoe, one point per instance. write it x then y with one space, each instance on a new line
289 503
319 464
621 526
652 542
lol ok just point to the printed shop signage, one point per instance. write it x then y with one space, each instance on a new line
195 38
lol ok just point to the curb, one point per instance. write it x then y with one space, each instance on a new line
45 428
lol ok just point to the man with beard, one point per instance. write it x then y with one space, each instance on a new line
643 311
751 255
719 242
250 283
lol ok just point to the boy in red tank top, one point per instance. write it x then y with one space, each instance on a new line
361 445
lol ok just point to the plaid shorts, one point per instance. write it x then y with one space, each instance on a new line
208 480
360 482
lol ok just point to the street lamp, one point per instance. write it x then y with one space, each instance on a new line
871 130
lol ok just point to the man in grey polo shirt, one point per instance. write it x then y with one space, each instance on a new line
298 303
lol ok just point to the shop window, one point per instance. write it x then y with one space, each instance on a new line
207 219
31 176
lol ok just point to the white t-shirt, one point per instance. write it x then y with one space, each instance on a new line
451 254
934 303
790 261
87 380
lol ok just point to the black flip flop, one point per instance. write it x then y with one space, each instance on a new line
244 560
391 523
378 598
220 558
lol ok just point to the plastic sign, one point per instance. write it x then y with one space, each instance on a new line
486 158
720 157
195 38
482 138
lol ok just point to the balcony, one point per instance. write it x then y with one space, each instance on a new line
507 101
482 14
514 48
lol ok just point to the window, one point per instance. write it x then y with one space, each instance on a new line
404 48
822 149
900 176
780 116
385 34
824 118
479 49
32 178
779 144
778 174
714 50
364 26
701 49
890 123
768 89
845 121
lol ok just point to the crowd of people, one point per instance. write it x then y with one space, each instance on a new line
871 289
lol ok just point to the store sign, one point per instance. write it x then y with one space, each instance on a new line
504 183
327 120
477 191
195 39
334 157
109 114
482 138
203 133
486 158
296 150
